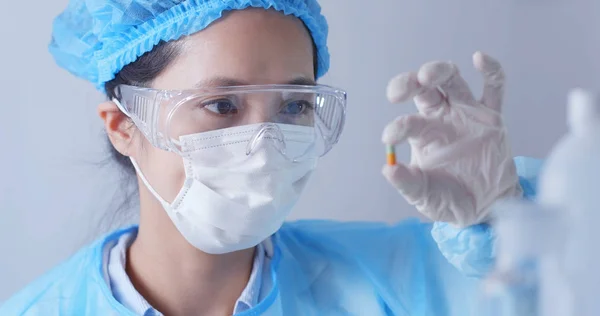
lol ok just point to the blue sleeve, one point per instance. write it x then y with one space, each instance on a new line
371 268
472 250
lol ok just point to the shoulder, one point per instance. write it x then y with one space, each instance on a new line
411 227
55 285
67 288
388 266
363 239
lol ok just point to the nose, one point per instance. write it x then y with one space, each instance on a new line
262 108
257 116
267 132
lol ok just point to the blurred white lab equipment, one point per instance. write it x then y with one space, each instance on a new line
546 255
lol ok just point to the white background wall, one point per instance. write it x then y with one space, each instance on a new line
53 192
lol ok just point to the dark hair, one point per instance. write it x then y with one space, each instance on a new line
142 73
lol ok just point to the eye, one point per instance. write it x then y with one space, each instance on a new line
296 107
221 107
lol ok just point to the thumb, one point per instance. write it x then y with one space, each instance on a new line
436 194
410 182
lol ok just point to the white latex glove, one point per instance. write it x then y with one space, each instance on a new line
461 162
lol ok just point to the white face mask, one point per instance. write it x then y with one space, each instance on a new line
232 200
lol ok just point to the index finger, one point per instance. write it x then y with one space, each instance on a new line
404 87
407 86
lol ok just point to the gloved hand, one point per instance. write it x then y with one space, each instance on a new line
461 162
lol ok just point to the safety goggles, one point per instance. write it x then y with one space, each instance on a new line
166 116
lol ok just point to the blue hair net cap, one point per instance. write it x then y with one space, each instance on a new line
95 39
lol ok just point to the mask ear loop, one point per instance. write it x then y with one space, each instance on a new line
147 184
135 165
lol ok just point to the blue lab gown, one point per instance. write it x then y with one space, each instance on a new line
318 268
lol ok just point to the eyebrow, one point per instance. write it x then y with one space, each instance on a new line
229 82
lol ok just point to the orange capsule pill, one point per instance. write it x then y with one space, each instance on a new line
391 155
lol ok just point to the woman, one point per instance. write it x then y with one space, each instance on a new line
214 106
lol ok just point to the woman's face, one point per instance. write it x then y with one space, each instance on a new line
248 47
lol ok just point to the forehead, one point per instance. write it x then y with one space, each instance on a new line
254 46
